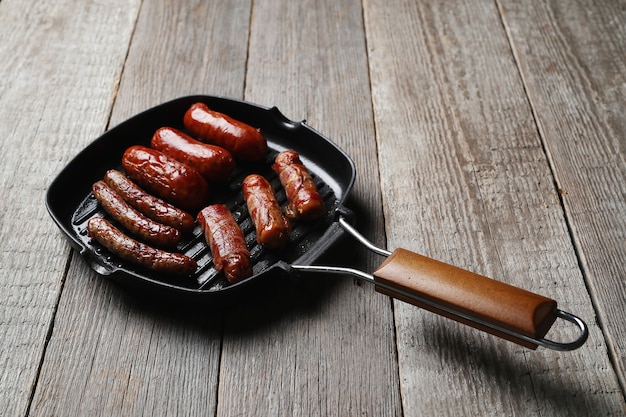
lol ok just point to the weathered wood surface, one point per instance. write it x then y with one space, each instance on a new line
573 64
485 134
127 357
59 64
336 356
462 162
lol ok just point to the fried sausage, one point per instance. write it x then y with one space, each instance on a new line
241 140
226 241
139 253
304 199
272 227
214 163
132 220
151 206
166 177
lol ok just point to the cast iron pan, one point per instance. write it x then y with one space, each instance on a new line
497 308
71 203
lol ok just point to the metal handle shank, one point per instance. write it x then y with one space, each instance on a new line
497 308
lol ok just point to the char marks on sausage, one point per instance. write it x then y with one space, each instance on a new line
166 177
272 227
240 139
213 162
132 220
151 206
304 199
226 241
139 253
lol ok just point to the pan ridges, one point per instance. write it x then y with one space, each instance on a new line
206 278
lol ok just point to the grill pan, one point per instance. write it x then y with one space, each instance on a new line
461 295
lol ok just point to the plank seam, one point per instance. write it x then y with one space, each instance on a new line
243 94
70 256
391 301
245 78
50 331
118 79
219 372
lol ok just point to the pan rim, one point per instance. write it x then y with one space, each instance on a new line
276 119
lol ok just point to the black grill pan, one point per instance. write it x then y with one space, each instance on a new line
506 311
71 204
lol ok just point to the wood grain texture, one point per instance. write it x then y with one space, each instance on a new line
465 180
572 57
186 48
59 63
131 356
113 356
487 134
325 347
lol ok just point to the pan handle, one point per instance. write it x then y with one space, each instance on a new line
498 308
495 307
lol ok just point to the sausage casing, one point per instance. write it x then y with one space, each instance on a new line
166 177
241 140
151 206
132 220
213 162
139 253
304 199
226 241
272 227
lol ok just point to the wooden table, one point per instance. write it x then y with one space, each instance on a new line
486 134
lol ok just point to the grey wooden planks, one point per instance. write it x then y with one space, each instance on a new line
128 357
462 162
60 63
492 138
572 63
332 352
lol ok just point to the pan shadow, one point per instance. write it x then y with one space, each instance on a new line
299 296
262 303
526 372
500 363
267 298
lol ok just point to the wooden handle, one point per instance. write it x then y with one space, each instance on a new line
422 281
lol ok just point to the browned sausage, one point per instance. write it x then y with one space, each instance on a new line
243 141
304 199
139 253
272 227
132 220
166 177
214 163
151 206
226 241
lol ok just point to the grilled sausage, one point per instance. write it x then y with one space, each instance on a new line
132 220
151 206
272 227
304 199
227 242
139 253
241 140
166 177
214 163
